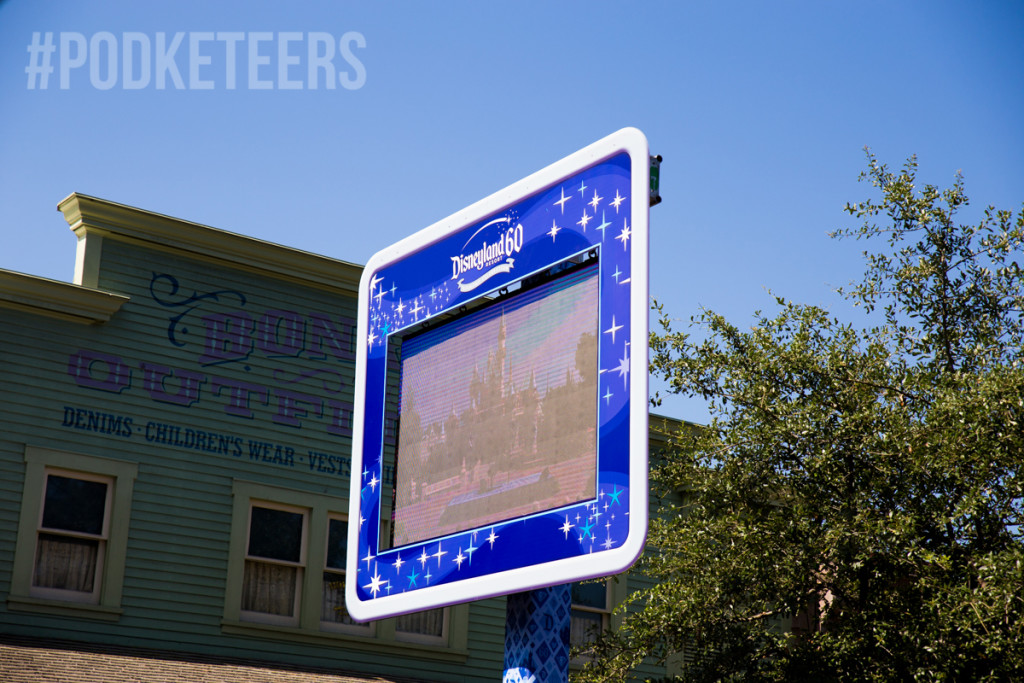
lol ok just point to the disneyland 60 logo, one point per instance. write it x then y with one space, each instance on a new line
495 256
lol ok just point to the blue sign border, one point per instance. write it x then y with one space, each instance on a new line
594 202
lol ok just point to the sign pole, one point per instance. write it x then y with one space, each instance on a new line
537 625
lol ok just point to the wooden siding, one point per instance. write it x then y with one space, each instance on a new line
181 515
179 539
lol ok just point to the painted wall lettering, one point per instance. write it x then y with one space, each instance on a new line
218 337
239 394
281 334
237 398
244 449
155 381
228 338
234 334
97 421
98 370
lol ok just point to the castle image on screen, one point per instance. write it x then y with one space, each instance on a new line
498 412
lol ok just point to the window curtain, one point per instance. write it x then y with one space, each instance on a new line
66 563
429 623
584 627
269 588
332 609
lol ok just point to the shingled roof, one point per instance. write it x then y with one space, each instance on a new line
35 660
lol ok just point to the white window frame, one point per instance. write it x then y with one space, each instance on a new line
355 628
104 602
101 538
424 638
378 637
300 566
605 612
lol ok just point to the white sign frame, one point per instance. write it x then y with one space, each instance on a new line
603 535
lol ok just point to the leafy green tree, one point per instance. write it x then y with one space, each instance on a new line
853 511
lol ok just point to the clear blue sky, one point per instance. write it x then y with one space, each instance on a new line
760 110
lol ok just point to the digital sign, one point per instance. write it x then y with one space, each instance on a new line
500 412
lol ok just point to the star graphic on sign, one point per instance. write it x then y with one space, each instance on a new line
554 231
604 224
613 329
415 310
583 188
586 529
397 564
374 481
492 538
624 235
412 576
608 397
614 495
370 338
595 201
368 559
469 552
607 543
617 201
616 274
400 308
433 294
374 282
423 558
561 202
583 221
375 583
438 554
378 296
623 368
565 527
394 288
459 559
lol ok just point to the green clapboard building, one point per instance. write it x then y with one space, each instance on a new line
174 465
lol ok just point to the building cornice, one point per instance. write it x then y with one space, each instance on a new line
57 299
90 216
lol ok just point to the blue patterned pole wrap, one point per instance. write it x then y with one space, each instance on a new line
537 626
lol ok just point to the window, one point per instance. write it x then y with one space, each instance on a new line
591 609
274 562
286 580
423 627
72 535
333 615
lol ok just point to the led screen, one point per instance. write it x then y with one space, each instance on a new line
497 411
